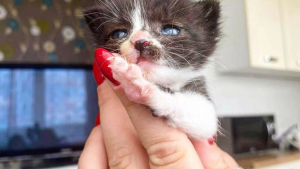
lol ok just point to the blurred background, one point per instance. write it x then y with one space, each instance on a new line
48 99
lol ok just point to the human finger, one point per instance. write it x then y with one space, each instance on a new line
122 144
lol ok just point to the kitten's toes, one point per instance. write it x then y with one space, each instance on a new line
119 66
132 81
134 72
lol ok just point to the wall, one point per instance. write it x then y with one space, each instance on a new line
245 95
48 31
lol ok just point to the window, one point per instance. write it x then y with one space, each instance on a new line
65 97
5 87
23 97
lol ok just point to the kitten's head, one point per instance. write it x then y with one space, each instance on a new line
173 33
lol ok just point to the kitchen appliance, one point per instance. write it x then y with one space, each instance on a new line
247 134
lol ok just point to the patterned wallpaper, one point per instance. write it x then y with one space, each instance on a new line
43 31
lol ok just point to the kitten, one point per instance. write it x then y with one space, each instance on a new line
164 45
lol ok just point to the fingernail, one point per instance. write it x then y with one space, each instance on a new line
97 74
101 57
97 121
212 140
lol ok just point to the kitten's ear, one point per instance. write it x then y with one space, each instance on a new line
92 18
210 9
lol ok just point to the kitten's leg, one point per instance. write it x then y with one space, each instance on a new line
189 111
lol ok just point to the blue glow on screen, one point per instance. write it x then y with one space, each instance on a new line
65 97
23 97
5 83
43 108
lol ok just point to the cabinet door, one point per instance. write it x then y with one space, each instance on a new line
291 31
265 34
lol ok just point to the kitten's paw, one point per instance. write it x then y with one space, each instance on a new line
131 79
118 65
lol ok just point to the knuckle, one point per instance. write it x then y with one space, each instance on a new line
167 153
121 157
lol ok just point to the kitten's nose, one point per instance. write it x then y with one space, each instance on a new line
140 40
141 44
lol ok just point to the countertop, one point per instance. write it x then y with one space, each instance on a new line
268 160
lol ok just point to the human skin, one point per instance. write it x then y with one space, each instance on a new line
130 137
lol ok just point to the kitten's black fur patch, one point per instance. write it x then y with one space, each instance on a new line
165 89
198 23
197 85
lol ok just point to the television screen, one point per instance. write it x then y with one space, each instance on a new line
45 110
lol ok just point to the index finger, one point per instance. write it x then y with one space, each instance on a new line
122 144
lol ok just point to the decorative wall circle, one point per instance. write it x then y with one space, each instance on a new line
13 24
53 57
8 31
80 44
35 30
78 13
23 48
3 13
68 33
7 50
43 25
82 23
2 56
14 12
18 2
57 24
49 46
48 3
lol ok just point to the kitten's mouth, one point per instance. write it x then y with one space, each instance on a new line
143 62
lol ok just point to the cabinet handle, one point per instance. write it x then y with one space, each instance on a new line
269 58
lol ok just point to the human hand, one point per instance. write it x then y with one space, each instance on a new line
130 137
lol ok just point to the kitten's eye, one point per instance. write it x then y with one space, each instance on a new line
170 30
118 34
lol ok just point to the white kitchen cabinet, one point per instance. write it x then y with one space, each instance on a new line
261 37
265 34
291 32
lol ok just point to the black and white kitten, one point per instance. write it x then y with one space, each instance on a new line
164 46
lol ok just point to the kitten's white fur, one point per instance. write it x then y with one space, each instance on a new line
189 111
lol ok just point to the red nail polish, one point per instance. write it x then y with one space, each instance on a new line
97 74
101 56
212 140
97 121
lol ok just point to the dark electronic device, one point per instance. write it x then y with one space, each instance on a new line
45 113
247 135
